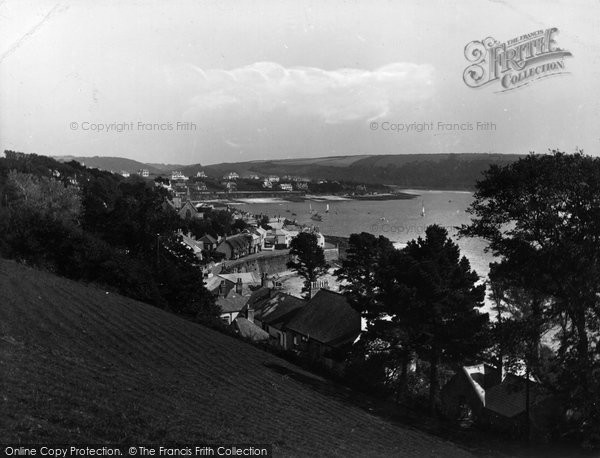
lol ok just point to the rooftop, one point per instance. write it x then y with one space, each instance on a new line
327 318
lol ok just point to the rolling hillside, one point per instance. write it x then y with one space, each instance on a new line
426 171
118 163
80 365
429 171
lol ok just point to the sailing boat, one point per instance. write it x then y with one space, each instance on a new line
327 210
422 209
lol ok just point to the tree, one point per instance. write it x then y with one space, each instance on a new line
357 272
308 260
540 215
428 302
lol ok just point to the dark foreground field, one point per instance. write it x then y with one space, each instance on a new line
80 365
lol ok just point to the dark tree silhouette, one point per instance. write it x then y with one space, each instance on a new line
308 260
428 303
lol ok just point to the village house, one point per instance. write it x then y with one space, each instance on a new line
285 187
277 239
324 328
273 178
229 185
271 310
201 174
262 233
192 244
144 172
231 176
178 176
256 241
301 185
236 246
248 330
267 184
232 292
481 394
209 242
231 300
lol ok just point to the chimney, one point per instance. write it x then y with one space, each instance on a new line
222 288
251 314
238 286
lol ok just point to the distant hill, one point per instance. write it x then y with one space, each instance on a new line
80 365
433 171
439 171
116 164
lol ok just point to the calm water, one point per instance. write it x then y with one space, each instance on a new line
398 220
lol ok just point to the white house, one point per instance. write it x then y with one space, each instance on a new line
175 175
231 176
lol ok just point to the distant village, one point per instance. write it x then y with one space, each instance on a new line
247 272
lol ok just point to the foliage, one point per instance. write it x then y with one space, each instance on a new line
427 303
308 260
540 216
94 226
357 273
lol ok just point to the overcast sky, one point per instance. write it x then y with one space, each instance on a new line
285 79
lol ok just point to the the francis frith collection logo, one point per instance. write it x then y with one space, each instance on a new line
516 62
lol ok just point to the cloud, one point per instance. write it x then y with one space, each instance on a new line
332 96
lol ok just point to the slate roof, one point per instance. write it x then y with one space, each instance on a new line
232 301
508 398
208 239
238 242
249 330
327 318
275 308
248 278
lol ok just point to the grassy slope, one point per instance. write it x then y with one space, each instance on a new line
77 364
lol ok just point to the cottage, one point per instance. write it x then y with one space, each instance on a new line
248 330
272 310
192 244
324 327
480 394
236 246
209 242
231 299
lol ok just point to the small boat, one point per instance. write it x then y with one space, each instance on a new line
422 209
327 210
316 217
293 214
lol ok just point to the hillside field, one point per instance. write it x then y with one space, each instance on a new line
80 365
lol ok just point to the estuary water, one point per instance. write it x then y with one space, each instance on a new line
398 220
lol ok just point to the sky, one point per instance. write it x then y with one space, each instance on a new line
225 81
